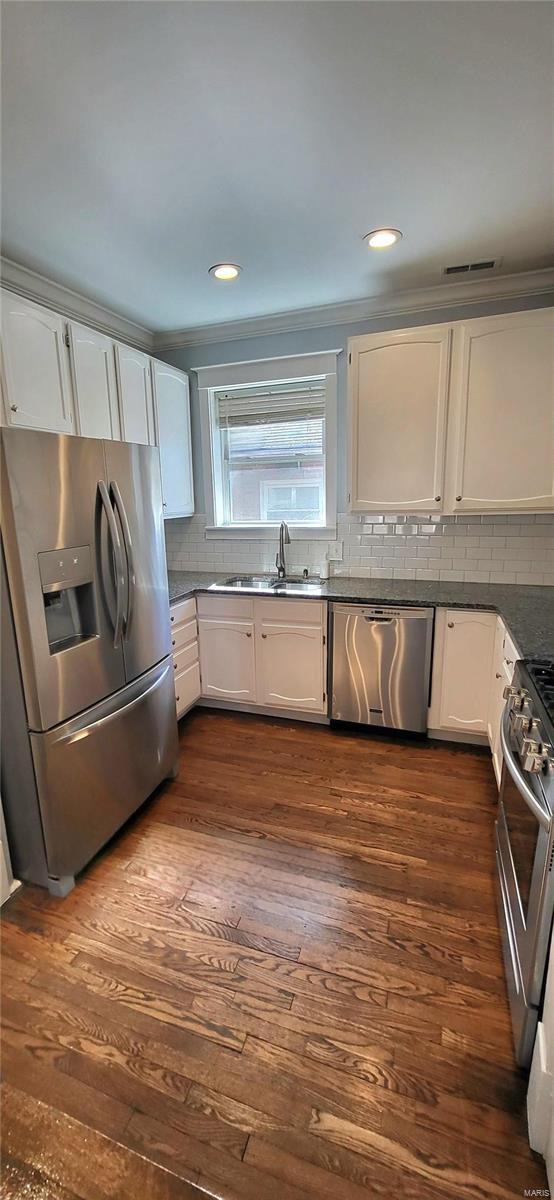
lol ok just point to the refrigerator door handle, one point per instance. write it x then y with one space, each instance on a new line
118 561
131 577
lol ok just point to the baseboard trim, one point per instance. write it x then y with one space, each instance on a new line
285 714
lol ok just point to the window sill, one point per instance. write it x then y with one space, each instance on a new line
269 533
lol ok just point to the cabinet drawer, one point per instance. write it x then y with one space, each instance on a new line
290 612
184 633
187 688
182 610
225 606
184 657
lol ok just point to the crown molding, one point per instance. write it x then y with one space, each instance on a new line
72 304
444 295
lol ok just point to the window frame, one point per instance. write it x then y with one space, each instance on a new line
268 371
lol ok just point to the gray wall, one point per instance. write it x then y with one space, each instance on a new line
305 341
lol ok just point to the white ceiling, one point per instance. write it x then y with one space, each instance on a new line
144 141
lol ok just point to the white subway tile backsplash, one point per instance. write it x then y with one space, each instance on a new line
505 549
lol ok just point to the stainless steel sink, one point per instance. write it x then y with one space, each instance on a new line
295 584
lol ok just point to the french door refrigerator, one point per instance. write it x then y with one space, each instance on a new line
89 725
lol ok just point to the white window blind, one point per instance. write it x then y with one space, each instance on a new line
270 435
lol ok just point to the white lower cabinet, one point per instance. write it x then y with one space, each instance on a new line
184 644
290 661
505 656
227 660
269 652
462 665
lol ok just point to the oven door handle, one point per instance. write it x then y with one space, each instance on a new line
522 786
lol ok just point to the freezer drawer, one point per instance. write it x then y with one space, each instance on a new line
381 662
95 770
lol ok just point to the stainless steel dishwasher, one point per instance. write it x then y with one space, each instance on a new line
381 663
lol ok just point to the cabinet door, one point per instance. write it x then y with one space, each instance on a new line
466 670
502 452
290 665
94 385
397 411
172 414
135 396
227 660
37 388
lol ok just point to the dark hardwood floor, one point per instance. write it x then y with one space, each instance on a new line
283 981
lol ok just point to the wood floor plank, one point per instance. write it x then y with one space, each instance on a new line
282 981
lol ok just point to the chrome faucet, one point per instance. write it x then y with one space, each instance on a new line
284 540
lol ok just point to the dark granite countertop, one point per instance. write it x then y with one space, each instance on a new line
527 611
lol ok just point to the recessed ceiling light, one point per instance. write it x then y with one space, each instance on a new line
225 271
381 239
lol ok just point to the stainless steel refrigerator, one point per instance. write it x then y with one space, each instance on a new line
89 726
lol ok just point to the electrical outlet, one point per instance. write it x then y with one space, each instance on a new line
334 552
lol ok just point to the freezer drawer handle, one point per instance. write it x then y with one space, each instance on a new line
512 767
79 725
131 576
118 560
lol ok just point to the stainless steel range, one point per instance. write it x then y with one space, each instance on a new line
525 844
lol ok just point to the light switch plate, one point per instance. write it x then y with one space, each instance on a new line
334 553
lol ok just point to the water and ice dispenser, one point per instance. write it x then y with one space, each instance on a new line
68 594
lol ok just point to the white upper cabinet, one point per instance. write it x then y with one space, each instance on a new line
398 403
36 382
135 395
172 415
94 383
501 455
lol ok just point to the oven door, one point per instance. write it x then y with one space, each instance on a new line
525 844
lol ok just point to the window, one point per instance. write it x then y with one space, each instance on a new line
271 451
285 502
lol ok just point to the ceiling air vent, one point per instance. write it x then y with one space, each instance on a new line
485 264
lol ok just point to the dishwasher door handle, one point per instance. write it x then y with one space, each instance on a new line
380 620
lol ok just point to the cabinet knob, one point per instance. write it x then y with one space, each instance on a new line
164 503
249 635
437 498
13 407
174 666
498 675
458 498
264 635
510 662
450 624
173 641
